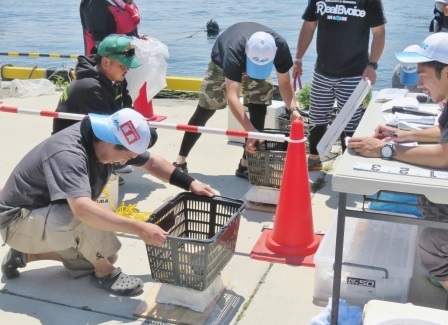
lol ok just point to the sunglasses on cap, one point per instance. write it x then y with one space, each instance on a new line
128 53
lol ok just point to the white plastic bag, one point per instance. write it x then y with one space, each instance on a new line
152 54
33 87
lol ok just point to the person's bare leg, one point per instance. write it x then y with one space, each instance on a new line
444 284
181 160
102 267
52 256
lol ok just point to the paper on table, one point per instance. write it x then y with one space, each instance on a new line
429 120
387 94
408 144
410 122
402 102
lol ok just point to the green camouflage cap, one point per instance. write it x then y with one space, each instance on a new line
119 48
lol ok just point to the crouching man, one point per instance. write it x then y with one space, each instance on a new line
48 208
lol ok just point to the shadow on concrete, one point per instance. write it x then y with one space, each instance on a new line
225 309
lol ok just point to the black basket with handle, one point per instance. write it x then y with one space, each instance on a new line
202 239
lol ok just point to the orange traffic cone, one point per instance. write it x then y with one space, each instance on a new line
144 107
292 239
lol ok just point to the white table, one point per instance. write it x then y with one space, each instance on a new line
348 180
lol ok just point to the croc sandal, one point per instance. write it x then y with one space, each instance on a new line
119 283
314 164
183 167
11 262
242 171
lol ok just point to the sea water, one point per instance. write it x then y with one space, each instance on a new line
51 26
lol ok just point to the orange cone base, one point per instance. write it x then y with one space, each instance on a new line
263 253
156 118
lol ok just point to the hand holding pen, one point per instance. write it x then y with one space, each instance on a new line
384 132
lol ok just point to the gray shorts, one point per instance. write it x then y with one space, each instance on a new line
212 94
433 252
54 229
433 242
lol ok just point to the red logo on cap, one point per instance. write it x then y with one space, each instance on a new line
129 132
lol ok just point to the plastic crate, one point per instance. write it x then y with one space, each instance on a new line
202 239
284 123
265 167
378 261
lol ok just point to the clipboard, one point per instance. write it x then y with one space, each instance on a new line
344 116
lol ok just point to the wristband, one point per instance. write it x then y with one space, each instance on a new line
181 179
292 109
297 60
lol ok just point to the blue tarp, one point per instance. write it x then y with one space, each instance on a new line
409 205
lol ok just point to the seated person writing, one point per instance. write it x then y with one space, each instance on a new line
432 67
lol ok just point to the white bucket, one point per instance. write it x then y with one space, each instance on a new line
109 197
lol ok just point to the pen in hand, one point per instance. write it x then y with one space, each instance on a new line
388 134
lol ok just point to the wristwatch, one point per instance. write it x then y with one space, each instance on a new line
388 151
374 65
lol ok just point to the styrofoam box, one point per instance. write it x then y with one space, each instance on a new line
273 112
391 313
378 260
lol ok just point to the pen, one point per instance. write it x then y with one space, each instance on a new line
411 110
388 134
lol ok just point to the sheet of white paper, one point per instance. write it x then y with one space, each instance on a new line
344 116
408 144
402 102
392 120
427 120
387 94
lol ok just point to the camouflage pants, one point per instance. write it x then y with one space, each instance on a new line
212 95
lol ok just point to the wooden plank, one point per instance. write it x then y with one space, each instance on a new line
150 309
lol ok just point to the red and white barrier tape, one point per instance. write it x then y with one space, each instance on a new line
179 127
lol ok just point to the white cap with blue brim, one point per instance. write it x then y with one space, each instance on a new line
125 127
433 48
260 52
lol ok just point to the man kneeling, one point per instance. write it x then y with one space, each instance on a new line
48 207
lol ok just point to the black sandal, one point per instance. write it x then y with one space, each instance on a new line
242 171
11 262
119 283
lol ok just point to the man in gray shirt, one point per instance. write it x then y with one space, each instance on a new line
48 207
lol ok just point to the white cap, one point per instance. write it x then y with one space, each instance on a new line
126 127
439 6
410 67
433 48
260 52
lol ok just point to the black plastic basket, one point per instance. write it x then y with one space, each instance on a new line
265 167
203 233
284 123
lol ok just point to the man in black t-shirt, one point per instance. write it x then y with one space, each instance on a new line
242 59
343 30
